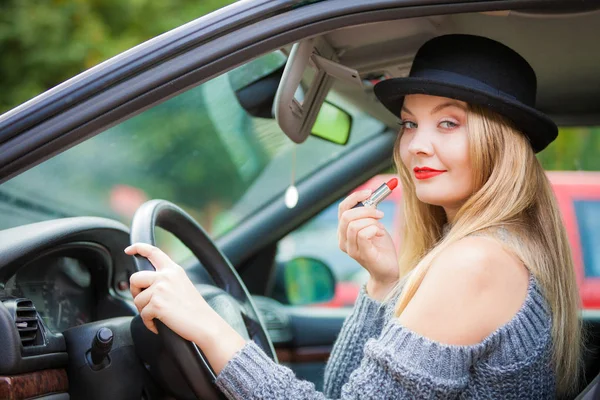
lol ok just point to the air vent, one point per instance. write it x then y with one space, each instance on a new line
26 322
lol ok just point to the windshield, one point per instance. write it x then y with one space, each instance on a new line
200 150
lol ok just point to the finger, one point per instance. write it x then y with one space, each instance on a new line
350 216
354 229
352 200
148 316
140 281
357 214
155 255
362 212
365 236
143 298
382 229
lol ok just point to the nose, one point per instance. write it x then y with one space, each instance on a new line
420 143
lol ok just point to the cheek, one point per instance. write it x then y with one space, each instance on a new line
453 150
459 161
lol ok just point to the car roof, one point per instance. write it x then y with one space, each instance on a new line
562 49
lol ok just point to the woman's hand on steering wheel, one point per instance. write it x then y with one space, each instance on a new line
168 295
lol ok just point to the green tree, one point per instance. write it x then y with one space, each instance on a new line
45 42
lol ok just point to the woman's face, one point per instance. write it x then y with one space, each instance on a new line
434 148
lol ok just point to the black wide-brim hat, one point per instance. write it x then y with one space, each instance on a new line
479 71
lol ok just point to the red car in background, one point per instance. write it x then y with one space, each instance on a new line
578 196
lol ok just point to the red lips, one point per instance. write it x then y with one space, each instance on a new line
427 169
426 172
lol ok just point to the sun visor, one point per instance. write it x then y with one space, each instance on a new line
295 106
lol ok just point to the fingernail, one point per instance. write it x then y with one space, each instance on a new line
379 213
367 192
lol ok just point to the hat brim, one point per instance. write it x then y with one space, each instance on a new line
535 125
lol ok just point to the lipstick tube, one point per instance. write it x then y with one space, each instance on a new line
379 194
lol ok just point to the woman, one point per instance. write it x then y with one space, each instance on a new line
482 301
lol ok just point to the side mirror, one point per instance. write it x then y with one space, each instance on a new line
304 280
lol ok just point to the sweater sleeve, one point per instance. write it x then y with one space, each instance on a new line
365 322
399 364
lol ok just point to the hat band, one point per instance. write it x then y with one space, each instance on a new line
458 79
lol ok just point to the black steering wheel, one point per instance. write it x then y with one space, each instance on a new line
228 296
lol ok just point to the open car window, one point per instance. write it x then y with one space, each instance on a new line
200 150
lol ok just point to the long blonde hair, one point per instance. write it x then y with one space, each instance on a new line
513 191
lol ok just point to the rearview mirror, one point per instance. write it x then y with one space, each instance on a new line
296 117
304 280
332 124
300 108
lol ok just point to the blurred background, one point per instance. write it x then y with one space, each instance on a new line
45 42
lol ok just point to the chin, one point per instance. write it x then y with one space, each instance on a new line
442 198
430 196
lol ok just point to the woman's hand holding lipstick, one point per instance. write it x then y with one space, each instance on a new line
365 239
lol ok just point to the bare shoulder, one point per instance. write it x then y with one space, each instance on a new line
472 288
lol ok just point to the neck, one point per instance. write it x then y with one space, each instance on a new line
450 214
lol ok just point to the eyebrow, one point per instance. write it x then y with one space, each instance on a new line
439 107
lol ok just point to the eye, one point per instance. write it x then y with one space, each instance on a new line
448 124
408 124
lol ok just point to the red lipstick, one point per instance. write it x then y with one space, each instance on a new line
379 194
426 172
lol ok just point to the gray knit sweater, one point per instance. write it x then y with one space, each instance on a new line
375 357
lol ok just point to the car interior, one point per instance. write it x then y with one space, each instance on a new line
243 161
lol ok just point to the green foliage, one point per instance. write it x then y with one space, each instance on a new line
575 149
45 42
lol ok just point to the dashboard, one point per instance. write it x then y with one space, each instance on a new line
73 270
72 275
61 288
62 282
